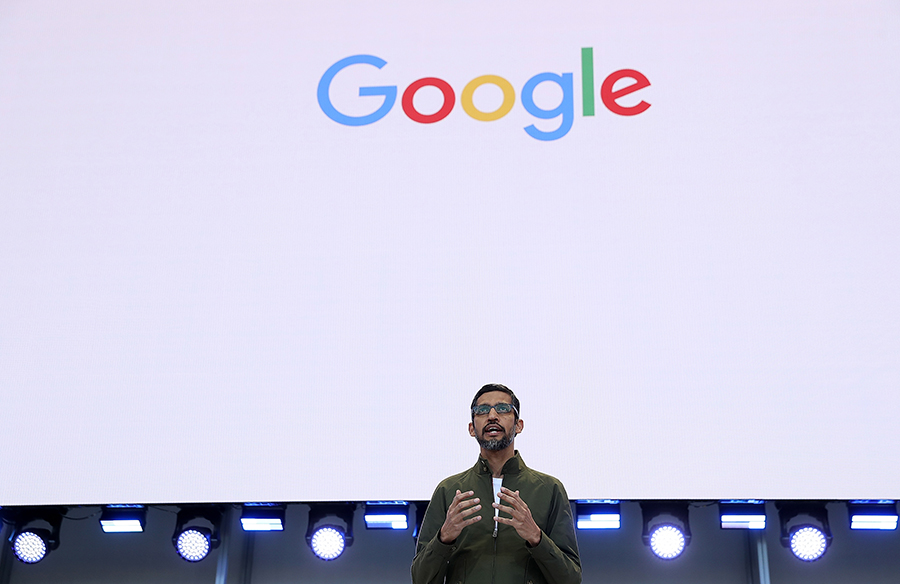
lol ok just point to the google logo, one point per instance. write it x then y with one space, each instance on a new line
609 95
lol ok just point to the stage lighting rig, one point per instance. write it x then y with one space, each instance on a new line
742 514
387 515
598 514
123 518
666 529
329 540
873 514
262 517
35 531
197 531
804 529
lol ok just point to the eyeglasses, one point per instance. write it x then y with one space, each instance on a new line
501 408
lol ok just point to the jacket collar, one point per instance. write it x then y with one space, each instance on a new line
514 465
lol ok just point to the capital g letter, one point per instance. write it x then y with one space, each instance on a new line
388 91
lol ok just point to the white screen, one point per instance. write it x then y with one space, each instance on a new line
212 291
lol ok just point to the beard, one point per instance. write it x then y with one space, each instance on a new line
497 443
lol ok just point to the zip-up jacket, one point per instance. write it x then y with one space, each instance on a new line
477 557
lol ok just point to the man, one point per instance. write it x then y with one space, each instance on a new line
472 535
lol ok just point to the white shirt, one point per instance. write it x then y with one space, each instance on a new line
497 484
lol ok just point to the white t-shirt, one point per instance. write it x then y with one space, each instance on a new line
497 484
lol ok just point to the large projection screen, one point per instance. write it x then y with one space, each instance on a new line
244 256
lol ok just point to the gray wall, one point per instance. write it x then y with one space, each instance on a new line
87 555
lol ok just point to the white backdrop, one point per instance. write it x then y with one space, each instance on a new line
210 291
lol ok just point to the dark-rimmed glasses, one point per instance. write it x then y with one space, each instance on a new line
501 408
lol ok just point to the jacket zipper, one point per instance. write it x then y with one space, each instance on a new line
494 534
494 559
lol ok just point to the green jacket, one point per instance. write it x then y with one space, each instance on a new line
476 557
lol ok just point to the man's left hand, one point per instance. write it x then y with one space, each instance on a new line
521 516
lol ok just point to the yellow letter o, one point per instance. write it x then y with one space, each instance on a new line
509 98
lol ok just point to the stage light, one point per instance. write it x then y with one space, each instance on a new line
804 529
598 514
30 546
387 515
197 532
262 517
123 518
808 543
873 514
326 539
666 541
193 544
742 514
328 542
666 530
35 532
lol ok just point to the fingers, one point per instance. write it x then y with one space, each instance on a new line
509 493
463 507
460 496
504 509
467 503
513 498
459 515
520 516
460 501
469 511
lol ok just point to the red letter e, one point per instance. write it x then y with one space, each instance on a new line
609 96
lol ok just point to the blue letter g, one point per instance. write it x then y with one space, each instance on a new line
564 109
388 91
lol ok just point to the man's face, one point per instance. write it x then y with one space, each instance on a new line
495 431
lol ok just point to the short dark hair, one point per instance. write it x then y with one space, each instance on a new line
497 387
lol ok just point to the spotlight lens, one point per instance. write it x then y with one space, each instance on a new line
808 543
327 543
192 545
30 547
667 541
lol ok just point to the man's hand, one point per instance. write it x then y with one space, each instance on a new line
458 516
521 516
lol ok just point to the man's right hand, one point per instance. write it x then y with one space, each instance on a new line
459 516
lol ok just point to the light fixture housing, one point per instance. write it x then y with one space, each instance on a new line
804 528
873 514
197 531
263 517
387 515
598 514
742 514
666 528
325 538
35 531
123 518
